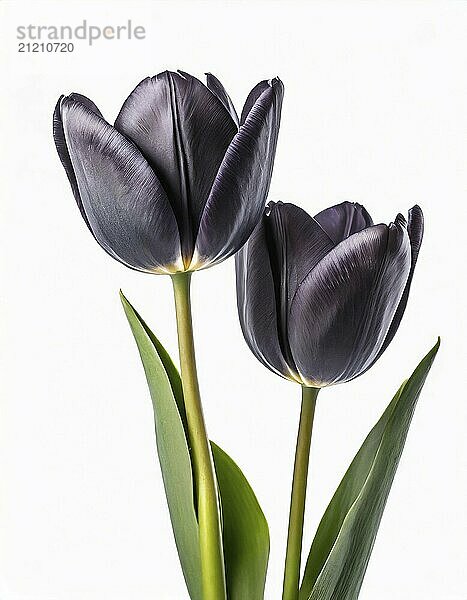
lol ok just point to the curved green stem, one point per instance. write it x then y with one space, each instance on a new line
210 533
297 503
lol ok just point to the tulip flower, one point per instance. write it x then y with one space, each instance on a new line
319 300
177 184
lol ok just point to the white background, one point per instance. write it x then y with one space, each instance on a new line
374 112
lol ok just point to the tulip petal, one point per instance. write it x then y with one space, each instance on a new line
296 244
343 220
342 311
60 144
415 231
183 130
256 302
252 97
124 203
240 189
386 294
218 90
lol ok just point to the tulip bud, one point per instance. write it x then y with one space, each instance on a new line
178 183
320 299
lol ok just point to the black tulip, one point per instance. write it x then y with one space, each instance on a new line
178 183
321 298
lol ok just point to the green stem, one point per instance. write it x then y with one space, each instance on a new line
210 533
297 503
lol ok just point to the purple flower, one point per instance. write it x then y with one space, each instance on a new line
178 183
321 298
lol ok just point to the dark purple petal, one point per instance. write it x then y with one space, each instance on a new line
252 97
218 89
299 243
296 243
390 285
342 220
240 189
415 231
342 311
60 144
256 302
183 130
124 203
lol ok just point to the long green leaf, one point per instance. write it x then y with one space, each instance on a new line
345 537
172 447
245 531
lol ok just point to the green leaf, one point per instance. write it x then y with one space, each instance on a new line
245 531
345 537
174 456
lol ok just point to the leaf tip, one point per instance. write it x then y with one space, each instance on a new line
435 348
124 300
127 307
431 355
